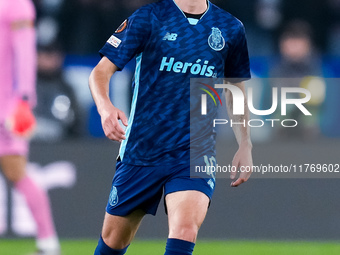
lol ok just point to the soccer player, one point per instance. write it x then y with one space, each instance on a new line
172 41
17 97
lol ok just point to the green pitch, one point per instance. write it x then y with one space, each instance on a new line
84 247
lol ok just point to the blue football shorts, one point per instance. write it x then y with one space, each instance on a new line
141 187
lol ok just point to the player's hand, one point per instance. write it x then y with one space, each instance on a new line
22 121
112 129
243 157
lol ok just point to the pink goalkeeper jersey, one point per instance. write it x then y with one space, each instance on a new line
17 55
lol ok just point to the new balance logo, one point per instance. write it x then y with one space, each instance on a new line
170 37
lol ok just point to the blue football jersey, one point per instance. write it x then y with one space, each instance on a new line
169 50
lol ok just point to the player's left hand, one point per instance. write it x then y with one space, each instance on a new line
242 158
22 121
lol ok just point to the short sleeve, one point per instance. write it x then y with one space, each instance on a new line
129 39
237 67
19 10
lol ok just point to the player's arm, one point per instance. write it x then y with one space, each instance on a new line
99 85
20 18
25 57
243 156
125 43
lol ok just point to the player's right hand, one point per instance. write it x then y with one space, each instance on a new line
110 117
243 157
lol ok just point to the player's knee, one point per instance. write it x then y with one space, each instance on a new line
14 176
187 232
113 243
13 168
104 249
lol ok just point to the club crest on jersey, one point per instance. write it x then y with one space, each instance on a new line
216 40
113 200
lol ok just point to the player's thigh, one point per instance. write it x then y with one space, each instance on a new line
118 231
13 167
186 213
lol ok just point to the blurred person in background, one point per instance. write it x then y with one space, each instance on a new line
17 98
299 66
57 109
315 13
298 57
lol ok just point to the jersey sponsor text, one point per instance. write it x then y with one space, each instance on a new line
193 68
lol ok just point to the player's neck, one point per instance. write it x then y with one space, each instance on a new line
192 6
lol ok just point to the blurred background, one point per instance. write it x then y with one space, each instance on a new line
286 39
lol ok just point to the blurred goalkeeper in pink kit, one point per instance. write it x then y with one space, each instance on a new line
17 98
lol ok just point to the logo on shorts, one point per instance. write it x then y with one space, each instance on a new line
216 40
113 200
211 184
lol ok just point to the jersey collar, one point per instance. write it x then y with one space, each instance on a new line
208 2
